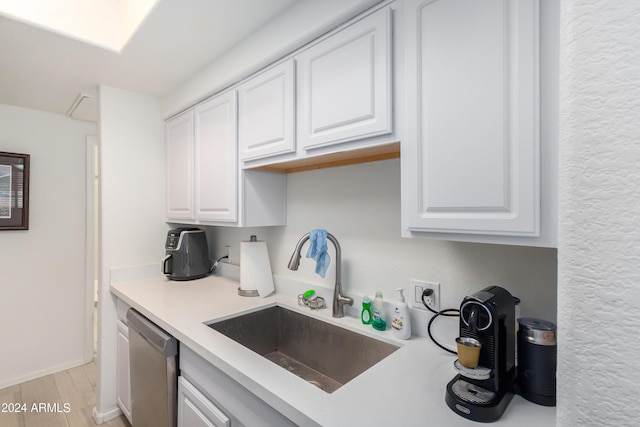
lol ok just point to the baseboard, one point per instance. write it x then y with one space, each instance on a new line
103 417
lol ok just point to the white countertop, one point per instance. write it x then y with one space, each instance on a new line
405 389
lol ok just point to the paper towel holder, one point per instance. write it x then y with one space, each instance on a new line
249 292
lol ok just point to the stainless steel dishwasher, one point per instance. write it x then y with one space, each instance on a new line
153 358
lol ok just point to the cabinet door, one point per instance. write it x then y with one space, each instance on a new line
471 156
216 165
123 385
179 166
266 113
195 410
344 84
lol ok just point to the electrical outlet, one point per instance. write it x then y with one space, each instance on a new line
417 289
227 251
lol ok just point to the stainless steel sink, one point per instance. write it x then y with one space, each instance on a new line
318 352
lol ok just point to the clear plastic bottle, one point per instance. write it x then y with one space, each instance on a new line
379 323
365 316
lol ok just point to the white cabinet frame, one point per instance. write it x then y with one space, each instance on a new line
345 85
216 161
266 122
195 410
179 166
471 157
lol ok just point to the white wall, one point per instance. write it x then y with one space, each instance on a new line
133 229
360 205
42 284
599 245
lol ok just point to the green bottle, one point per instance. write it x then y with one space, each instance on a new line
366 311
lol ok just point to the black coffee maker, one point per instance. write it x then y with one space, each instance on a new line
483 393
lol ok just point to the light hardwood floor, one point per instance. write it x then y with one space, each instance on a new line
64 399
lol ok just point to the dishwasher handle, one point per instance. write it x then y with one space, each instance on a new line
161 341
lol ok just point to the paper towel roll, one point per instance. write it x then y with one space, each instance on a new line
255 269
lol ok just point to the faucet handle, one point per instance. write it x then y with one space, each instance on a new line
342 300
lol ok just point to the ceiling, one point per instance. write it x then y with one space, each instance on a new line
48 71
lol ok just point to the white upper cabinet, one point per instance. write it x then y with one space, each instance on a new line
471 155
216 164
205 184
344 84
179 166
266 103
201 162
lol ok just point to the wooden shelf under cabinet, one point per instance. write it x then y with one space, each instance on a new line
343 158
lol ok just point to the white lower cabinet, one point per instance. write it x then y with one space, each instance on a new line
123 384
209 397
122 369
195 410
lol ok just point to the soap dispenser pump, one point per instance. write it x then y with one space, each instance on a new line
401 323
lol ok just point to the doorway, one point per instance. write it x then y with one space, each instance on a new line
91 250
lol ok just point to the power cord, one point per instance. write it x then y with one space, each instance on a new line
449 312
214 267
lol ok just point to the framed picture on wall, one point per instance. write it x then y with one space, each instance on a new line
14 191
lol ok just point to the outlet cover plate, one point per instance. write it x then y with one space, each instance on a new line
417 287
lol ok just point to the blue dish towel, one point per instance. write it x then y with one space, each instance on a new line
318 250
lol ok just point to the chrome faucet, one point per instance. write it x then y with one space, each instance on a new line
339 300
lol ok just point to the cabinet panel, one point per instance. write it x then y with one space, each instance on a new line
216 181
471 162
179 166
123 385
241 406
344 84
266 113
195 410
203 176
